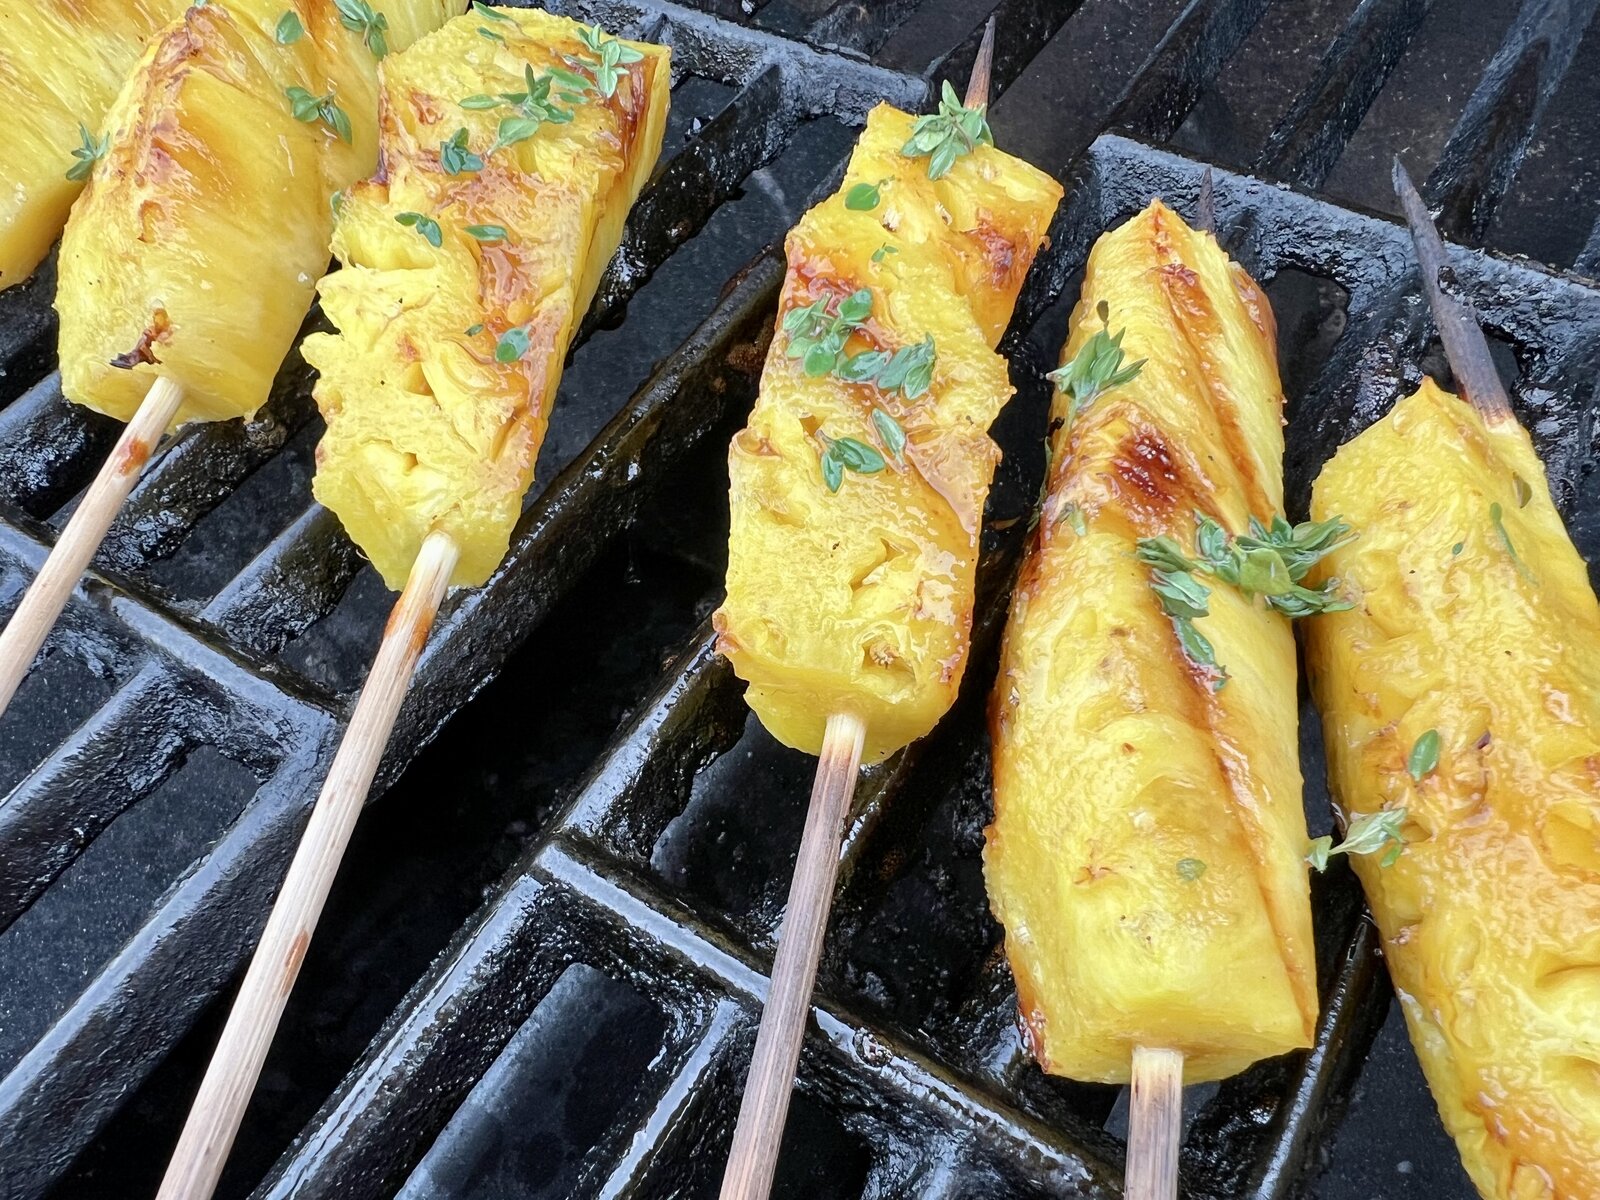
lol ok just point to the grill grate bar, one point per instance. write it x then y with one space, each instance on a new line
1481 159
1313 133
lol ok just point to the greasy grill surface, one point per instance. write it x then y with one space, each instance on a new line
597 851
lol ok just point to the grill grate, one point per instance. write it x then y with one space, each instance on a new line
216 652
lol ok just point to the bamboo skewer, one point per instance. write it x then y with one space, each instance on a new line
1464 343
229 1080
45 598
758 1134
1155 1124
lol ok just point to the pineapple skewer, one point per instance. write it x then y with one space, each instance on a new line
1460 703
189 261
1146 852
434 424
866 656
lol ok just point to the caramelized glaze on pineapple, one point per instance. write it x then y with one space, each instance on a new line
196 248
437 388
61 63
1146 851
860 600
1487 631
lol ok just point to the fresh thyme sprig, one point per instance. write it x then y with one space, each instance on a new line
847 454
532 108
1269 561
90 152
1096 368
1093 371
817 336
426 226
1367 834
946 135
455 156
308 108
288 30
610 57
360 17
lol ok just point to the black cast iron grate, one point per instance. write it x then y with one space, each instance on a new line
585 1031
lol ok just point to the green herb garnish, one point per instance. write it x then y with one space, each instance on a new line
511 345
1269 561
610 56
883 252
847 454
894 437
90 152
288 30
1072 514
946 135
1184 598
1367 834
1497 517
533 108
474 330
485 32
487 233
309 108
455 157
817 337
360 17
1424 756
863 197
1096 368
426 226
1191 869
494 14
1456 549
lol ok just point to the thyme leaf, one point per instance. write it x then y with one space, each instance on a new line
92 150
1367 834
946 135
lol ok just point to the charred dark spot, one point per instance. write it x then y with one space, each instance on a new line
1149 478
144 350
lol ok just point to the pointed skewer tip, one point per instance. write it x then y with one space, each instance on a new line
1464 344
1206 206
982 68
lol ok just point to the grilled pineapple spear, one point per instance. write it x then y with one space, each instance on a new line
188 263
513 145
195 251
1146 854
857 493
61 63
1461 700
467 266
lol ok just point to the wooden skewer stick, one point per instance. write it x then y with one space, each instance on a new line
225 1091
1464 344
759 1132
47 595
1155 1124
982 68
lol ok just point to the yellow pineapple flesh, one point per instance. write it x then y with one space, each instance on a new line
1146 854
1475 621
195 250
438 386
859 600
61 64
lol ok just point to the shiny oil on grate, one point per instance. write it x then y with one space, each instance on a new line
540 970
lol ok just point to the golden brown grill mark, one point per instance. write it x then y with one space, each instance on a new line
1198 324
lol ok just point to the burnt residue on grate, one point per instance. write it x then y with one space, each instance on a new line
540 971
